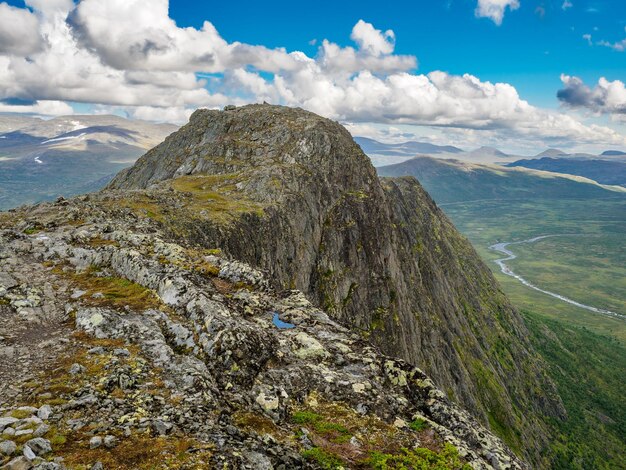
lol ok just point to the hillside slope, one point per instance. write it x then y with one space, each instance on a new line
454 181
586 266
41 160
589 370
602 171
291 193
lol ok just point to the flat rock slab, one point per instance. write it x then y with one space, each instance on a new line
35 340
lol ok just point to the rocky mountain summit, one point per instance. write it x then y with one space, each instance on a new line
251 294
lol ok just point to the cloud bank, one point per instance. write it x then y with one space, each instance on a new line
129 55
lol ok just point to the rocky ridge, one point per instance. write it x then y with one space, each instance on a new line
291 193
161 355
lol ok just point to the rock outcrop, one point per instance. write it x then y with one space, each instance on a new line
176 357
291 193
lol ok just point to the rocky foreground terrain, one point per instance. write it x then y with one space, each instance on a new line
251 295
121 350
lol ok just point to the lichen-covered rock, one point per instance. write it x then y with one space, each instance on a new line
7 421
7 448
44 412
209 365
39 446
18 463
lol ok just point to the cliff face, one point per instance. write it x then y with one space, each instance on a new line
290 192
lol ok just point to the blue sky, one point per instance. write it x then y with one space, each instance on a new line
528 50
464 72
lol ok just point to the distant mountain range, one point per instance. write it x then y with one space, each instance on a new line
552 153
383 154
42 159
608 155
403 148
450 181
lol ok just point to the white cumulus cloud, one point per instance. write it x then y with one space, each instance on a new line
19 31
495 9
372 40
436 99
139 34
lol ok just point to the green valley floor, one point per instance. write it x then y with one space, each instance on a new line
585 351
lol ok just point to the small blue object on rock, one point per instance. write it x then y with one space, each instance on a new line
278 323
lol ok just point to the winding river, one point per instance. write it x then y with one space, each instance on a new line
502 248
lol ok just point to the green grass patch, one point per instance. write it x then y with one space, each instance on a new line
113 291
589 371
419 459
418 424
330 426
216 197
305 417
31 231
324 459
333 431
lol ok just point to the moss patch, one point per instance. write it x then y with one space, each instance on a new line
140 452
322 458
419 459
199 264
20 414
142 205
216 197
260 424
6 220
59 383
112 291
97 242
331 426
